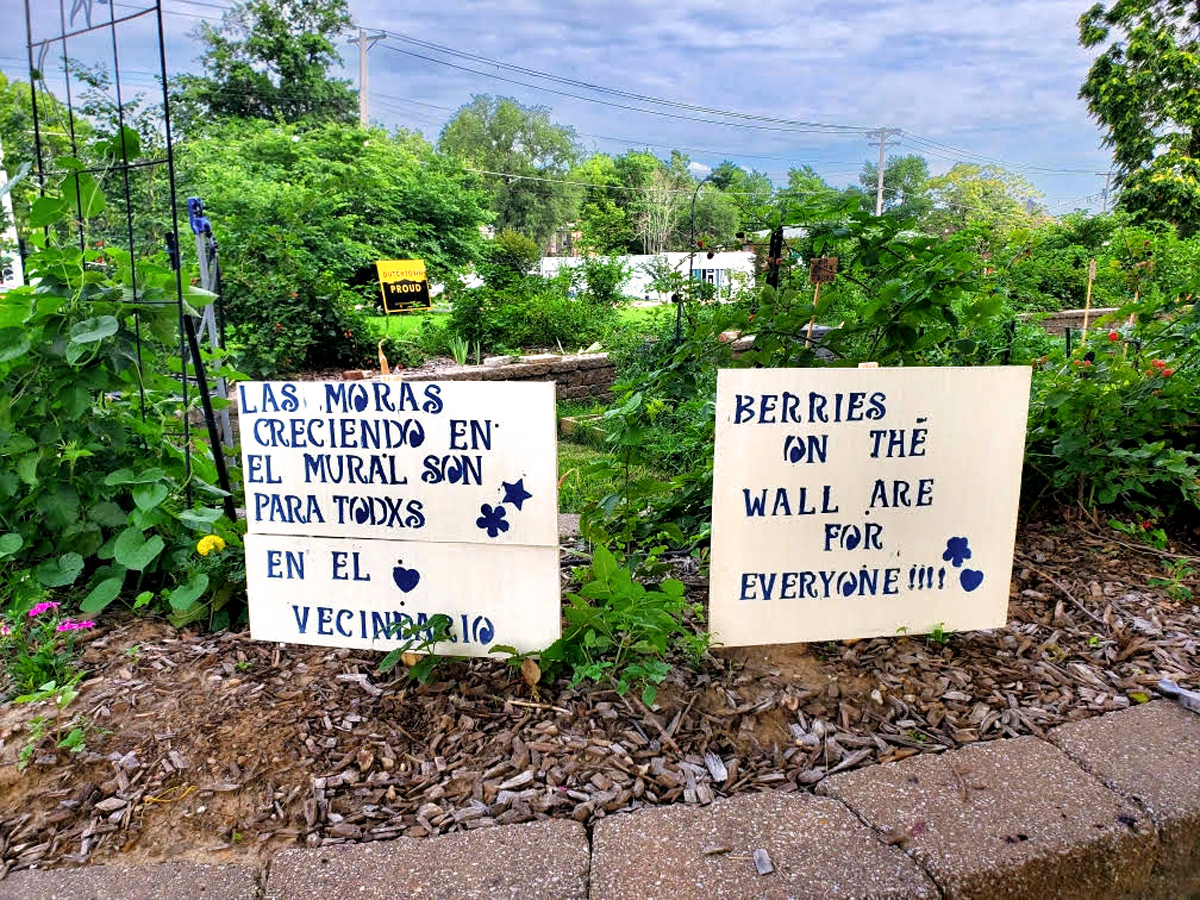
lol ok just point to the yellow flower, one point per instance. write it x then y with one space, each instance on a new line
209 543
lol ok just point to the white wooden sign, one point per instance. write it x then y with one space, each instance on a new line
851 503
387 501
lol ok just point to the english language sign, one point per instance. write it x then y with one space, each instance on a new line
373 505
404 285
852 503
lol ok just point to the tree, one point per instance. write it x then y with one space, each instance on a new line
526 159
905 186
1144 90
303 214
270 59
659 205
986 196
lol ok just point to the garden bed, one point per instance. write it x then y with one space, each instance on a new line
214 747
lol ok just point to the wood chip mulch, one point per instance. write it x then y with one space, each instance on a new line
214 747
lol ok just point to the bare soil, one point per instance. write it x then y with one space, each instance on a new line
214 747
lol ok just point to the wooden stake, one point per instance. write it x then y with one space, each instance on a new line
1087 306
812 321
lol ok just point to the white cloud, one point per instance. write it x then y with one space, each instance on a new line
999 79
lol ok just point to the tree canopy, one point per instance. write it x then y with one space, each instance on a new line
1144 90
905 185
531 154
270 59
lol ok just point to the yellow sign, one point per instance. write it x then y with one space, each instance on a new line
403 285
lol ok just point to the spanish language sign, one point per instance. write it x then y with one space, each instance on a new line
851 503
404 285
373 505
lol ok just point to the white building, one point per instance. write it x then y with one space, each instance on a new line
724 270
10 260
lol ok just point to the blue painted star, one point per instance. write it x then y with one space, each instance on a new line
515 493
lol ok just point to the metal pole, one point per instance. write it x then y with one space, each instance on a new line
691 262
214 438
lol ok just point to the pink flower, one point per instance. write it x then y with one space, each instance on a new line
40 608
5 631
69 625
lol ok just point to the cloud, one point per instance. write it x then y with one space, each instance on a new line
997 79
698 169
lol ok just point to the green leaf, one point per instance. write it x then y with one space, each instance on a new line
148 496
89 331
10 543
101 595
60 572
124 139
27 468
108 513
603 563
76 400
183 597
133 551
127 476
201 519
83 195
142 599
46 211
14 343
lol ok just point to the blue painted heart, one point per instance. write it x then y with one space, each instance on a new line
970 579
360 402
362 514
794 454
406 579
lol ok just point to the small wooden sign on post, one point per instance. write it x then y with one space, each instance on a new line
372 506
853 503
404 285
822 269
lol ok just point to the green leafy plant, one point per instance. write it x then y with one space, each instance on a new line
458 349
1179 573
939 635
101 502
420 638
620 631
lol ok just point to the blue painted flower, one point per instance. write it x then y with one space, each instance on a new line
956 551
491 520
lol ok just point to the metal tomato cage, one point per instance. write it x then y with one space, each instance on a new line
77 75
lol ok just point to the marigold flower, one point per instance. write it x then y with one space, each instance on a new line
209 543
40 608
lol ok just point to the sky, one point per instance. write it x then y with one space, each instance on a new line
997 84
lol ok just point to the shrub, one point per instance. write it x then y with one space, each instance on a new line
605 278
1116 421
508 260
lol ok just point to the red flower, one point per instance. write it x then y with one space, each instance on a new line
1150 373
295 295
1077 362
1147 525
1167 373
1087 362
1157 363
1113 336
278 326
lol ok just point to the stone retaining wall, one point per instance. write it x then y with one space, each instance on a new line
1058 322
589 376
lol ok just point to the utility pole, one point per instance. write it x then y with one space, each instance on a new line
365 42
881 135
1107 181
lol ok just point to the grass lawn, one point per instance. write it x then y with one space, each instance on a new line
401 324
580 487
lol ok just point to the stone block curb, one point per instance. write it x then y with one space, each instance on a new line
158 881
1013 818
1150 754
547 859
815 848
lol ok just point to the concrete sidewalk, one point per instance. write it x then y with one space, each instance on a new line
1107 807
